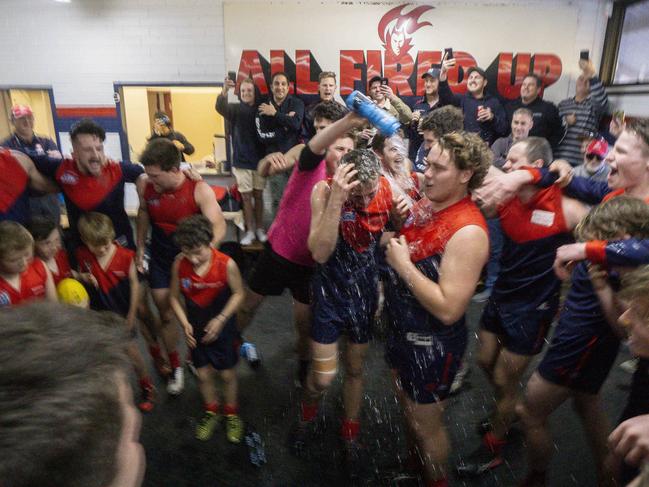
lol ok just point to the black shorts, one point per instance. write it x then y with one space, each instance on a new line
222 353
273 273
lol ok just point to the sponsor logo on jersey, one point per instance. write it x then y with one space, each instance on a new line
348 216
5 300
69 178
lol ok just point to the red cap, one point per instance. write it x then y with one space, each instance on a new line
599 147
19 111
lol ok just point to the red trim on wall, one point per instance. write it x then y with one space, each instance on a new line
90 112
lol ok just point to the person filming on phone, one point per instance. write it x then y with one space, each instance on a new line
582 112
483 113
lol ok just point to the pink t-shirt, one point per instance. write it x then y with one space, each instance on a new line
289 232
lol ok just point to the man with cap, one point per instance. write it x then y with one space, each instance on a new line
162 129
594 166
547 122
425 105
24 140
483 113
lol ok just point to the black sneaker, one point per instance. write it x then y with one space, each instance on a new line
301 373
479 462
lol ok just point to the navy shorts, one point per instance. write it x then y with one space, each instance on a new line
522 329
426 364
159 274
222 353
273 273
337 312
580 363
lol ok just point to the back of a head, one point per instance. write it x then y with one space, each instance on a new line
611 220
365 162
60 414
329 110
161 152
537 148
444 121
87 127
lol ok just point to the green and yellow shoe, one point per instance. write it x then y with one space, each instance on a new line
234 428
206 426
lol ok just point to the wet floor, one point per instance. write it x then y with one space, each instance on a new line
268 403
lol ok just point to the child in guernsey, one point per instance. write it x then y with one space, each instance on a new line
108 271
48 248
22 278
212 288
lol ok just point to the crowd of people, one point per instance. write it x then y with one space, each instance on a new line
399 227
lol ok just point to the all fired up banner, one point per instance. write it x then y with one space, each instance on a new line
360 39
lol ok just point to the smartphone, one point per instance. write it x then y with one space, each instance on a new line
384 81
448 53
584 54
232 75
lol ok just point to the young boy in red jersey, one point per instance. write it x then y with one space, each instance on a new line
213 290
108 269
48 248
22 278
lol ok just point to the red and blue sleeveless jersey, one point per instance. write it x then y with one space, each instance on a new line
166 210
359 233
206 295
32 285
114 290
63 264
427 233
532 233
14 189
103 194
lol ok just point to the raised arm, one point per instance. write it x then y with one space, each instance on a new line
326 205
464 257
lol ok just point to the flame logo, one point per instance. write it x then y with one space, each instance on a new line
396 28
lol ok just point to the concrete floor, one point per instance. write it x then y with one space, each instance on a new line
268 403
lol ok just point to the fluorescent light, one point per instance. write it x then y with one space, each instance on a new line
63 1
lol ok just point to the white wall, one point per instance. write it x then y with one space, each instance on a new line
82 47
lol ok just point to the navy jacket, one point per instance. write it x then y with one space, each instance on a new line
488 131
246 148
281 132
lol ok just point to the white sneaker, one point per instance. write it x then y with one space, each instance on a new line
458 381
629 366
177 382
247 238
261 235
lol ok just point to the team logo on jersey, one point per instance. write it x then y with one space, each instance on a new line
69 178
153 202
38 290
186 283
348 216
5 300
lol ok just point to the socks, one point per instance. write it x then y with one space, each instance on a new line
212 407
155 352
349 429
309 411
495 445
230 409
145 382
174 360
